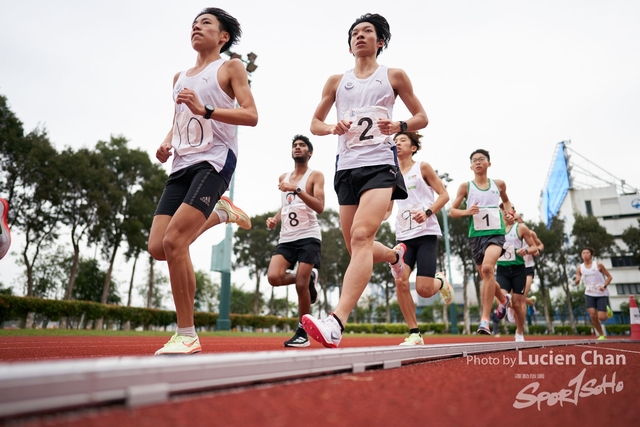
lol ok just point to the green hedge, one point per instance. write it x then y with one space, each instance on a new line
14 308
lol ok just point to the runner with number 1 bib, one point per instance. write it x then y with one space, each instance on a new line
486 230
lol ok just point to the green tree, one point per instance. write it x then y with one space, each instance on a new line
381 275
207 292
334 257
459 246
127 171
631 238
587 232
243 302
547 268
50 273
36 200
89 283
253 249
140 216
82 174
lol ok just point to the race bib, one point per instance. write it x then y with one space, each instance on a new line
405 221
294 219
487 219
364 126
509 253
191 134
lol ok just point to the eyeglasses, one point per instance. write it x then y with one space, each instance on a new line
478 159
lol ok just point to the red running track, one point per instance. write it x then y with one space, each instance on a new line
453 392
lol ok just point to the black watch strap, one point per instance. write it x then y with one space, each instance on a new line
209 109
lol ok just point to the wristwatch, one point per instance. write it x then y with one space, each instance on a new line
209 111
428 212
403 126
298 190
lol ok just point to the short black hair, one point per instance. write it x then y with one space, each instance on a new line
227 23
481 151
303 139
383 32
587 248
414 137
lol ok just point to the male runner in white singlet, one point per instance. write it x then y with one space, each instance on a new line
203 138
418 230
302 196
486 230
367 176
596 279
511 273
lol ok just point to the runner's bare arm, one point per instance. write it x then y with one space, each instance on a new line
318 125
455 211
403 88
164 151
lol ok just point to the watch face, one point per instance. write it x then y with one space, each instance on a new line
209 107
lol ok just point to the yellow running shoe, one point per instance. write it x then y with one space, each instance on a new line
609 312
602 337
236 215
180 344
447 290
413 339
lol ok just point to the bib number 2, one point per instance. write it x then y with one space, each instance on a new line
364 129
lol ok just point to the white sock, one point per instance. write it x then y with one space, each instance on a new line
222 215
189 331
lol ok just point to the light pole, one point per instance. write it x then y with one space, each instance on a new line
453 314
221 253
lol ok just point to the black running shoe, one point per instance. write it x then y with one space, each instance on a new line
313 281
300 339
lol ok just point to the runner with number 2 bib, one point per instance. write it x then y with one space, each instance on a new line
367 177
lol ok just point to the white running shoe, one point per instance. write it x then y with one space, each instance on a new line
236 215
519 338
510 316
447 290
398 267
180 344
326 331
413 339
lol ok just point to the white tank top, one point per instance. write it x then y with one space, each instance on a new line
528 259
421 197
196 139
592 278
513 242
488 221
298 221
363 101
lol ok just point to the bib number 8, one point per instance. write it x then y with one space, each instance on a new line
293 219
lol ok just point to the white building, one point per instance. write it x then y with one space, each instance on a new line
577 185
615 212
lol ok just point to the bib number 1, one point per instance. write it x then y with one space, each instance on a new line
487 219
